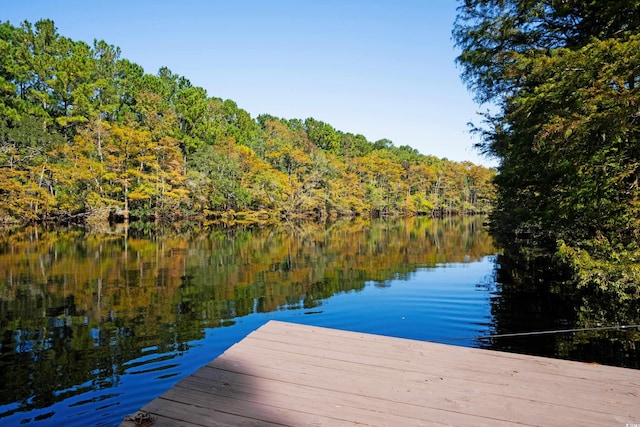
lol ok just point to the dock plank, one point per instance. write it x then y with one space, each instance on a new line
514 385
286 374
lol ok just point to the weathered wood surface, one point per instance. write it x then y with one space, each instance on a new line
285 374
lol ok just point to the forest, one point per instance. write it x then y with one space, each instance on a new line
86 135
564 78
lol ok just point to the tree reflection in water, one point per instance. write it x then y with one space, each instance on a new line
80 312
533 293
86 316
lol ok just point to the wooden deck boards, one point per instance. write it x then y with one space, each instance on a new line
285 374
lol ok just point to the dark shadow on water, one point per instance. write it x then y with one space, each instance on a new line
531 295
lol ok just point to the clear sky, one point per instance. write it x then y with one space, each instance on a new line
380 68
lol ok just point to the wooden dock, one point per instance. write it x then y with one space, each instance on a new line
286 374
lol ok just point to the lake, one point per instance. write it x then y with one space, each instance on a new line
96 324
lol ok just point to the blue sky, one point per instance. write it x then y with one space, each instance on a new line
381 68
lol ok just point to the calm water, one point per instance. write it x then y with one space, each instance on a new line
96 325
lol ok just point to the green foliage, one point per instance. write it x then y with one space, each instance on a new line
491 33
216 177
566 80
605 270
323 135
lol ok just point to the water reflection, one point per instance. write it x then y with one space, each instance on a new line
94 325
533 293
87 318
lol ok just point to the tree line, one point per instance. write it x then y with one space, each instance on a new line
564 77
84 132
